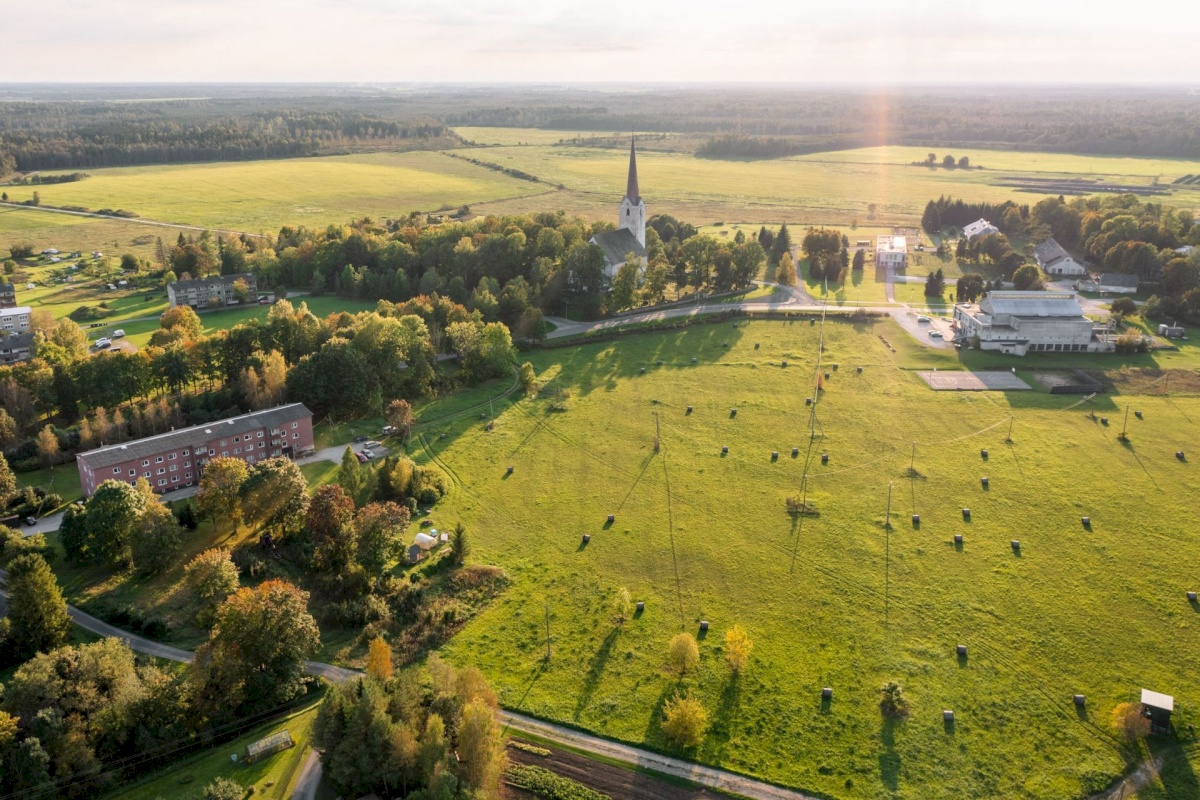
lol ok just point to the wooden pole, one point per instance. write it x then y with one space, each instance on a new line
1125 425
912 461
1011 419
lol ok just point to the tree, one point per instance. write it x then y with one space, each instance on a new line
399 415
379 530
241 290
37 612
363 749
935 284
328 519
265 385
337 378
622 604
224 789
254 657
155 539
351 477
1129 720
104 529
379 659
683 654
481 755
485 351
1027 277
969 287
781 245
684 721
184 319
220 492
948 161
786 272
859 259
964 162
47 446
892 702
210 577
460 545
8 481
275 495
625 284
1123 307
737 648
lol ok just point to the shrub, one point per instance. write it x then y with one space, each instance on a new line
428 485
683 654
546 784
532 749
224 789
684 721
1129 720
1124 306
892 702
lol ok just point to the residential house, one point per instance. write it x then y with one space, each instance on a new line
8 295
215 290
980 227
15 347
1056 261
891 251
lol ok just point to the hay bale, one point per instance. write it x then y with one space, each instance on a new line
1179 455
984 481
808 401
756 345
642 371
693 359
1016 544
958 538
961 650
724 450
983 454
732 412
612 518
948 716
641 605
860 370
689 409
510 469
1191 596
827 693
1079 700
783 364
1104 420
824 458
1087 521
774 455
795 452
704 626
1137 414
587 537
916 520
966 512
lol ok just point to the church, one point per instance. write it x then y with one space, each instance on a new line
630 235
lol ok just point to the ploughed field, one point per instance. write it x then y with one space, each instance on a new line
833 600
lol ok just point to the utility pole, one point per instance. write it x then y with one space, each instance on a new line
1125 424
912 462
1011 418
657 433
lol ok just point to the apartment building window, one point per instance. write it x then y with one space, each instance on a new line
295 424
171 457
162 481
260 434
146 463
158 460
162 471
237 439
146 474
212 452
295 436
224 442
116 470
237 450
174 479
249 459
174 467
262 444
224 453
188 475
187 463
133 473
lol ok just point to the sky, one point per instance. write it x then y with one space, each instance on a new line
477 41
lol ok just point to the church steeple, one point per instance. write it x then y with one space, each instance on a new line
631 187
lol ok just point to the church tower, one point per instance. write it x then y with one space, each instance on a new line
633 210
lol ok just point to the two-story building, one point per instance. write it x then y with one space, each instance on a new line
15 320
174 460
15 347
1030 322
215 291
891 251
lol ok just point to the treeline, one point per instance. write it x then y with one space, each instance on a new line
40 136
763 147
44 180
946 212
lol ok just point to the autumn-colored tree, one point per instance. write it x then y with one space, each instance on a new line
155 539
211 577
683 654
481 755
684 720
254 657
8 481
379 530
47 446
1129 720
220 492
379 659
786 273
737 648
330 513
183 318
399 415
275 495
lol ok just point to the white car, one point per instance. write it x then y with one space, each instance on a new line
103 343
936 334
922 318
118 334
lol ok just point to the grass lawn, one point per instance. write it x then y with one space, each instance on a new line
272 777
62 479
858 288
834 600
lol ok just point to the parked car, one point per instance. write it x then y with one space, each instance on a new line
369 454
374 445
31 520
936 334
360 439
389 430
922 318
118 334
103 343
264 300
362 459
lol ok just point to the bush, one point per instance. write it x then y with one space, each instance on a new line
1129 720
224 789
684 721
548 785
428 485
1124 306
892 702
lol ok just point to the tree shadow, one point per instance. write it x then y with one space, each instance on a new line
595 671
724 721
889 759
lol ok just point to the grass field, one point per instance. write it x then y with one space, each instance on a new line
272 777
835 600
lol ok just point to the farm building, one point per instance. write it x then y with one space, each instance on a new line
1158 710
1054 260
1110 283
15 320
174 460
8 295
980 227
215 290
630 235
891 251
1029 322
15 347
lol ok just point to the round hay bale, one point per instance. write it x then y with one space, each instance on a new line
961 650
916 520
824 458
587 537
1016 544
984 481
703 626
966 512
510 469
784 364
795 452
1079 700
827 693
958 538
611 518
1191 596
1087 521
641 605
983 454
725 450
689 409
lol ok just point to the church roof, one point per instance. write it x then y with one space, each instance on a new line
618 244
631 186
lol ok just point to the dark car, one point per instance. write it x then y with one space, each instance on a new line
360 439
31 520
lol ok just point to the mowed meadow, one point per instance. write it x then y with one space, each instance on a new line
870 186
832 600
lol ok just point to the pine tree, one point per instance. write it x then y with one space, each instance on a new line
352 477
781 245
37 612
460 546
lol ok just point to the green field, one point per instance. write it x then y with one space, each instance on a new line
834 600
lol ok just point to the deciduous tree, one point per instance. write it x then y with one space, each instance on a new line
379 529
683 654
275 495
211 577
37 612
219 495
379 659
155 539
684 720
399 415
737 648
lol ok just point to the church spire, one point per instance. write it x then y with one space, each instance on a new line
631 188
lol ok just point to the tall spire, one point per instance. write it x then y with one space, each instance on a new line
631 188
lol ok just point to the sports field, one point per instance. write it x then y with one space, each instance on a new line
836 600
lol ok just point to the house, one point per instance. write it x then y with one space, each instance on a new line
8 295
630 234
1030 322
15 347
980 227
891 251
1054 260
215 290
1158 708
1110 283
15 320
174 460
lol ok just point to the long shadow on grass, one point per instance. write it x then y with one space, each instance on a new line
889 759
595 672
724 722
1177 775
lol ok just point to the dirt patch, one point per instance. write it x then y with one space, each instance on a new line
955 381
1050 380
1147 381
615 782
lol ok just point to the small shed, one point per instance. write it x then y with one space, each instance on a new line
268 746
1158 710
415 554
425 541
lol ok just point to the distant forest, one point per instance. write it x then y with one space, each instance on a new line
74 127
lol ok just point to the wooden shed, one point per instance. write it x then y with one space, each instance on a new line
1158 710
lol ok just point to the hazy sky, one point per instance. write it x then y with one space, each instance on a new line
568 40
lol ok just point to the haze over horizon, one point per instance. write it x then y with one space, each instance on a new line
855 41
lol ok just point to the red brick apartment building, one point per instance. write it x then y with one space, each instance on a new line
174 460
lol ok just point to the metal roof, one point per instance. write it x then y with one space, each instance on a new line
973 229
1031 304
618 244
631 185
195 436
1049 251
1157 700
1119 279
212 280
